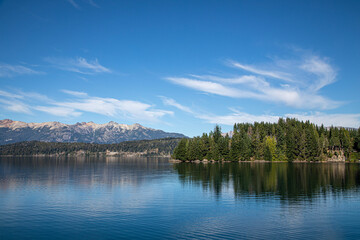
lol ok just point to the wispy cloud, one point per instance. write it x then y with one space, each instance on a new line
235 116
171 102
266 73
58 111
324 72
345 120
7 70
20 101
115 108
76 5
79 103
78 65
15 105
260 90
205 86
297 84
75 93
10 95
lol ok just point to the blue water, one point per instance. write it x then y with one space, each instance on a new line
150 198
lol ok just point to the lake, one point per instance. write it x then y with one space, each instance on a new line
151 198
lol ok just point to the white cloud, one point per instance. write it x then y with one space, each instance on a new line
33 96
324 72
172 102
266 73
15 106
258 89
9 95
7 70
116 108
78 65
237 117
80 103
344 120
211 87
75 93
204 86
58 111
297 85
252 81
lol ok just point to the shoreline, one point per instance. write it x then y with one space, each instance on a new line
100 154
258 161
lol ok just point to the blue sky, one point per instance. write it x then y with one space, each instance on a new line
180 66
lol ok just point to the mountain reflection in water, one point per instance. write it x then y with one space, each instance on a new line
290 181
86 171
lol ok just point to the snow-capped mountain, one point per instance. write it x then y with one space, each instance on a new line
112 132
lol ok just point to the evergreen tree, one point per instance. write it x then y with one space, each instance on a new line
224 150
245 146
235 149
345 142
356 144
312 144
334 138
180 150
257 145
290 143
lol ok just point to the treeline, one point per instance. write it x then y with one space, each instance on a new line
286 140
158 147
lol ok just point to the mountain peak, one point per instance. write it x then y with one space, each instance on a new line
112 132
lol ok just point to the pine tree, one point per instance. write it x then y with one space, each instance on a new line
180 152
290 143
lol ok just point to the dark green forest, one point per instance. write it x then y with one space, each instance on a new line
158 147
287 140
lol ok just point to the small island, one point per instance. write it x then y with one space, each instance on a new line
288 140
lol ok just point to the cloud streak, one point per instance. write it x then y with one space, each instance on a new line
314 74
78 65
80 103
266 73
7 70
58 111
324 72
75 93
14 105
77 6
205 86
344 120
171 102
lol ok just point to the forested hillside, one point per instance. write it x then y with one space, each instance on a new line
286 140
158 147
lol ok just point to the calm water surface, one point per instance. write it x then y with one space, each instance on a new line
150 198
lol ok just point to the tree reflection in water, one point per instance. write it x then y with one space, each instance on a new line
288 181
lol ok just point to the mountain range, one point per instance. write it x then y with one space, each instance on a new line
88 132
